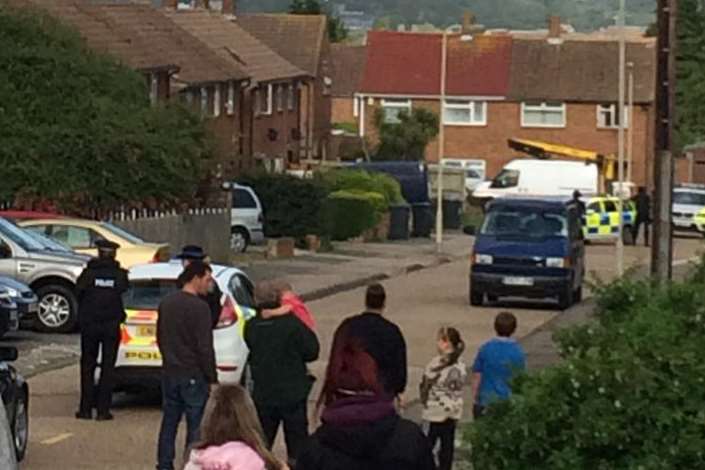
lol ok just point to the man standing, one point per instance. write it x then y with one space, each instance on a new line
214 296
643 214
185 337
385 342
280 347
577 195
99 289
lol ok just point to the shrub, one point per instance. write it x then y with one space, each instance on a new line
629 393
349 213
293 207
363 181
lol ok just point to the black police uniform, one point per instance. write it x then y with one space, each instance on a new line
100 288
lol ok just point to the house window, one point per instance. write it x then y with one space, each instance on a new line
230 106
204 100
290 97
153 88
608 116
216 101
465 113
393 108
265 99
280 98
543 114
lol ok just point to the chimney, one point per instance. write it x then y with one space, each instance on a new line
468 23
173 4
554 27
228 7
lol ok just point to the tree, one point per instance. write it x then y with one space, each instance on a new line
690 69
408 138
336 29
77 128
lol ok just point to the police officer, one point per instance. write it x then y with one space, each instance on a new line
190 253
100 287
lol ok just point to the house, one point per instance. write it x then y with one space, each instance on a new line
348 67
499 87
303 41
270 104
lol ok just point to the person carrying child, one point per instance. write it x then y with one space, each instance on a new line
441 393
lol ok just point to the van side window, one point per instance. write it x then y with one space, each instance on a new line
506 179
242 199
594 206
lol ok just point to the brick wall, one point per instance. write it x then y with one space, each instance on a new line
504 121
274 135
342 109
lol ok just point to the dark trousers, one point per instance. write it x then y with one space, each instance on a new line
445 434
180 396
295 420
635 231
106 339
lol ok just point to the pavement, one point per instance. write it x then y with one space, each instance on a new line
425 292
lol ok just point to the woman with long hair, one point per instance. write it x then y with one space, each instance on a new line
231 435
360 426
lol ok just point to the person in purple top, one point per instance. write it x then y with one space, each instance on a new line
496 363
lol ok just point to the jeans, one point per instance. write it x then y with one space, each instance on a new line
106 338
295 420
180 396
635 231
445 433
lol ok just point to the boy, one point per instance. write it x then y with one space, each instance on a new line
496 364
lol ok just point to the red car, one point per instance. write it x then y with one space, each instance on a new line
29 215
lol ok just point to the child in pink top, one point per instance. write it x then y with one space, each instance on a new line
292 303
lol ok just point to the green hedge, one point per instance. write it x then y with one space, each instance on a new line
629 394
363 181
348 214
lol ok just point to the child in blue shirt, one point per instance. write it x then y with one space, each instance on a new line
496 363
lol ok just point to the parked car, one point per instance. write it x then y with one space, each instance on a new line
139 362
81 236
529 247
412 177
51 275
688 214
247 218
16 301
475 170
15 397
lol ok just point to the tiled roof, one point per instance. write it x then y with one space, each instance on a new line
144 38
581 71
232 43
297 38
410 63
348 64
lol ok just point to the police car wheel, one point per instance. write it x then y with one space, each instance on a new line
58 309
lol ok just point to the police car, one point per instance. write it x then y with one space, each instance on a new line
602 219
688 210
139 362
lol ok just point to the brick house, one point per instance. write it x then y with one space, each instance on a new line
303 41
499 87
348 68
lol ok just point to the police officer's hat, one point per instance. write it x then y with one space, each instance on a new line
192 252
106 245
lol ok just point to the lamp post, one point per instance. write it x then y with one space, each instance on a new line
630 122
620 137
441 146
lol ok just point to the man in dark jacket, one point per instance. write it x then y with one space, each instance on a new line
213 298
643 215
280 347
99 288
185 338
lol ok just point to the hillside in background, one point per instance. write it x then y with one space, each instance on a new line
584 15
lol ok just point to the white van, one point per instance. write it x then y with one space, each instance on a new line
247 218
541 178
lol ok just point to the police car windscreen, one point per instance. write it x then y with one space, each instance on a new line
524 223
688 198
147 294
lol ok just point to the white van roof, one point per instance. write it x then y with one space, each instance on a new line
525 163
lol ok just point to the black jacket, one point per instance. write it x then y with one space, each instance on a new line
643 207
213 300
99 289
280 347
390 443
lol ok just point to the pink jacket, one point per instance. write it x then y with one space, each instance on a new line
299 309
230 456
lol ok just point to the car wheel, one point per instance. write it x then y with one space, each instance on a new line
476 298
20 426
565 298
239 240
58 309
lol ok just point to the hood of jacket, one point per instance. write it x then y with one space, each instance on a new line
230 456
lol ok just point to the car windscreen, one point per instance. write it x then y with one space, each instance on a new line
19 236
689 198
122 233
146 294
506 179
525 223
49 243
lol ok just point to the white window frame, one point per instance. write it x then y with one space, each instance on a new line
543 107
398 104
280 97
465 105
153 88
356 106
290 97
613 110
266 95
230 105
217 105
204 100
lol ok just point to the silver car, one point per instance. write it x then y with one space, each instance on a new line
51 274
689 209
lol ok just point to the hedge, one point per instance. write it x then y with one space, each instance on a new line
349 213
628 395
370 182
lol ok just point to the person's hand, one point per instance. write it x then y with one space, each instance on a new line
277 312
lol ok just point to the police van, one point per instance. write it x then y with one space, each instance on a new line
602 219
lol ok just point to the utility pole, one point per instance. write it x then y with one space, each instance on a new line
630 123
441 146
621 23
662 243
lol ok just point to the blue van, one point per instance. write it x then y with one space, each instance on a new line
529 247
